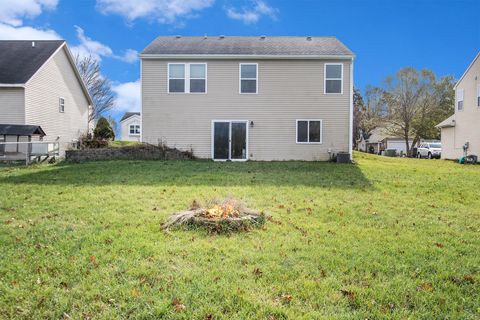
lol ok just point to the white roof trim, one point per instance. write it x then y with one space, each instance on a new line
242 56
133 115
466 71
10 85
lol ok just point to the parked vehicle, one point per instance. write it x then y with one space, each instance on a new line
429 150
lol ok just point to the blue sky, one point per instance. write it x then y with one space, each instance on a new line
442 35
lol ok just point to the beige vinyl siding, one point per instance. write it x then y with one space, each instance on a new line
287 90
54 80
12 106
467 122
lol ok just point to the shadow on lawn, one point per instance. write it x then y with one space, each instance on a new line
194 173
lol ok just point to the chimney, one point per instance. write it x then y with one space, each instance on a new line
33 44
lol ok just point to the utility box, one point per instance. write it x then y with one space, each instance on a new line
343 157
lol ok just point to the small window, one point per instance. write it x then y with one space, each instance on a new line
460 100
478 95
61 105
176 78
309 131
334 78
198 78
248 78
134 129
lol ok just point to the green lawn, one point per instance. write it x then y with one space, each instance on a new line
386 238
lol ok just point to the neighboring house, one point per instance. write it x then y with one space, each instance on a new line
464 125
130 126
380 140
241 98
40 86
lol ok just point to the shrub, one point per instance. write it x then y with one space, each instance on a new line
103 130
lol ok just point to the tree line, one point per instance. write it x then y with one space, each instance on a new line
408 105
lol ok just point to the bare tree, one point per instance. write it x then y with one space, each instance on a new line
403 95
375 109
98 86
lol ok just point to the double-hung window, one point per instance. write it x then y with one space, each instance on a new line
460 99
309 131
333 78
134 129
187 78
248 78
61 105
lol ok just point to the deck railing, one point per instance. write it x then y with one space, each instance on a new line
28 150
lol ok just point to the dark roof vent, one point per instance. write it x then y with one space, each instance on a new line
262 37
221 37
309 38
178 37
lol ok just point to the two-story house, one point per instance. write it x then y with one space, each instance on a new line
241 98
41 86
464 126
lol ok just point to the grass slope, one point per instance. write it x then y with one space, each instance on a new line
387 238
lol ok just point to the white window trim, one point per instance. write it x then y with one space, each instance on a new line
240 77
60 104
460 93
308 131
133 125
186 77
325 78
212 141
478 95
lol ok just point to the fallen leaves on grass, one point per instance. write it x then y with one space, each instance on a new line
426 286
178 305
349 294
257 272
439 245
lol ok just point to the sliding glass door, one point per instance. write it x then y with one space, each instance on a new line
230 141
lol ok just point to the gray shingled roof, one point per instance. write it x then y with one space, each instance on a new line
272 46
21 130
129 114
19 60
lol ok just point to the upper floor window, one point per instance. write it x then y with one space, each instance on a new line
309 131
187 78
248 77
61 105
334 78
478 95
460 99
134 129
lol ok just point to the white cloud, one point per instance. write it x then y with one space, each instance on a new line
163 11
253 14
13 12
8 32
128 96
98 50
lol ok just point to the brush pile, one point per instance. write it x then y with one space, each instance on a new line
218 216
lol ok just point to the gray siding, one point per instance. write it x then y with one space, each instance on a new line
287 90
57 79
12 106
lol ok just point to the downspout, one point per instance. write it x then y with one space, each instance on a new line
350 141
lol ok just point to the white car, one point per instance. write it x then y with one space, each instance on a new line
430 150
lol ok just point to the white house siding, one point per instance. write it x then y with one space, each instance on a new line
125 128
287 90
467 122
12 106
398 145
54 80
